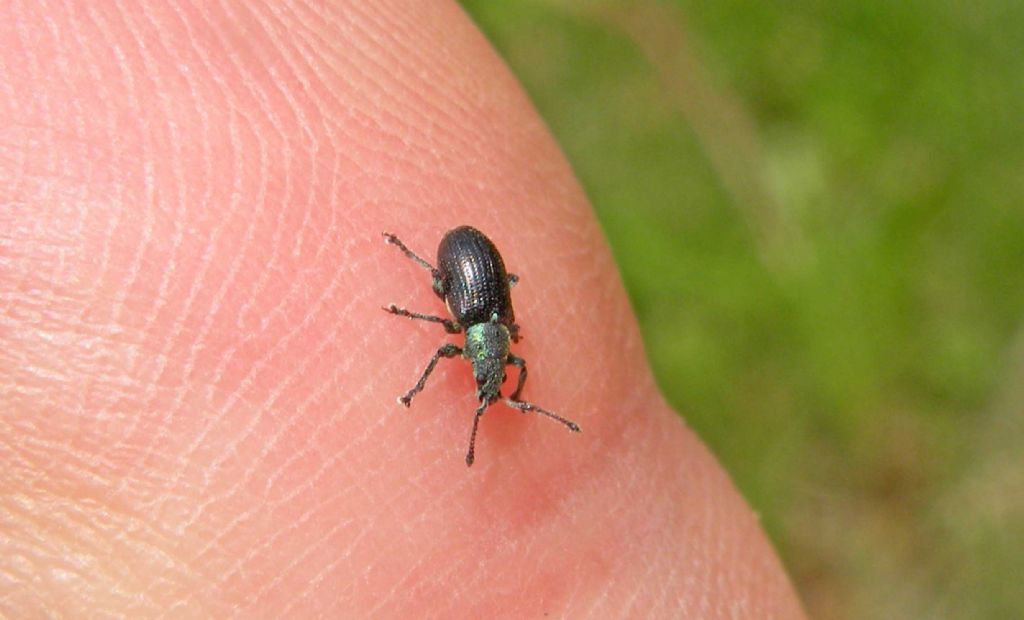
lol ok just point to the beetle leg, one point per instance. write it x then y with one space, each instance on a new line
448 350
513 279
525 406
449 326
393 240
519 363
470 455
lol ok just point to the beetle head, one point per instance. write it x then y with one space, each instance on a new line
487 346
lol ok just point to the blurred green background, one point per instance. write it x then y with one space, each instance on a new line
817 209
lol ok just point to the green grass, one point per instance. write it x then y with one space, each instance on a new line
818 207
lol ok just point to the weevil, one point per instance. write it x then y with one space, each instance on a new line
471 279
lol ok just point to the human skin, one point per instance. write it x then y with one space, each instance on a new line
197 381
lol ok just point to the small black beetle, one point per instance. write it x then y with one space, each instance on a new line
472 281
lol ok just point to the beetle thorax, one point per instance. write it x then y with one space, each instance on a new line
487 348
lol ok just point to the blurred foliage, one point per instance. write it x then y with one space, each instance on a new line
817 210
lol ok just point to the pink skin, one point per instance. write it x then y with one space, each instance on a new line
197 383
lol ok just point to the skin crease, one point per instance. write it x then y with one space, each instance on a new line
197 383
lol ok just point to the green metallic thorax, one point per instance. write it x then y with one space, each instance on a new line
487 347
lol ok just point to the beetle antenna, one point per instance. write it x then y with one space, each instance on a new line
472 438
525 406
